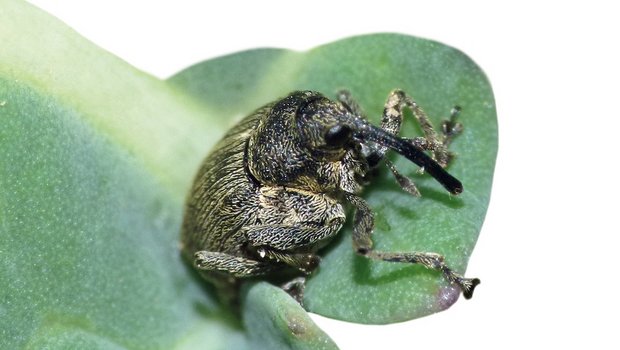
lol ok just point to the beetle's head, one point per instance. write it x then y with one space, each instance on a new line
328 130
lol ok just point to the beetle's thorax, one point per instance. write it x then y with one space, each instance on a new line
278 155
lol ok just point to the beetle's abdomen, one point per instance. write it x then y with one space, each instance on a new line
222 192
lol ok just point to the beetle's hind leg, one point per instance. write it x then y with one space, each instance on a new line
363 223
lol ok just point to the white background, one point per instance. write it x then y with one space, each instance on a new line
547 252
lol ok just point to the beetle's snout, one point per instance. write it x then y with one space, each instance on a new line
369 132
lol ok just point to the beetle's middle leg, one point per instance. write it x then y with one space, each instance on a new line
363 223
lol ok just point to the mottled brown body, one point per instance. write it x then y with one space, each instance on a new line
271 192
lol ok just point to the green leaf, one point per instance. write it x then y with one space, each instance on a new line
287 329
349 287
96 158
95 161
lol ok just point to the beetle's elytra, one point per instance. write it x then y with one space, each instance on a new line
271 192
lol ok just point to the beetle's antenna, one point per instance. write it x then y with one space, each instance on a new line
413 153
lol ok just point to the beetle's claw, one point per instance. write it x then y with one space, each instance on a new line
200 259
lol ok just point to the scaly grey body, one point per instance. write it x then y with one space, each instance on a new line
271 192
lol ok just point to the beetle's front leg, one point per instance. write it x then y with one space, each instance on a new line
363 223
230 264
285 237
278 242
293 224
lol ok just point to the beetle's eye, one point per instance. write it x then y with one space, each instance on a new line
338 135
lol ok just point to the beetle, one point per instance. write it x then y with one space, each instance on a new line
273 190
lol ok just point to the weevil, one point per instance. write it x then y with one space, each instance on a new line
273 191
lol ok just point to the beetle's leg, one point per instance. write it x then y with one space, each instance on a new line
304 262
230 264
375 153
243 267
284 237
431 261
363 223
277 241
450 128
391 122
405 183
431 141
294 222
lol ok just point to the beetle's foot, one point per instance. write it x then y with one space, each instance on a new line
451 128
295 288
468 285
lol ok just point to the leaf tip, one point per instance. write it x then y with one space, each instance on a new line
447 296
